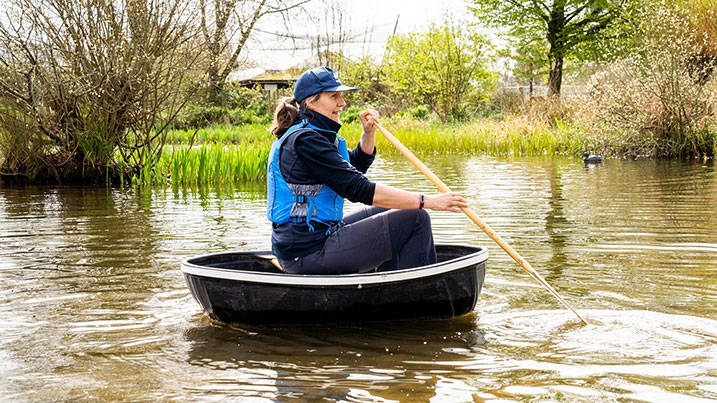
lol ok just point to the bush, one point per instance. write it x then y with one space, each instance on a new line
419 112
233 106
351 114
654 102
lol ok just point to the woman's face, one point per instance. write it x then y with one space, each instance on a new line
329 104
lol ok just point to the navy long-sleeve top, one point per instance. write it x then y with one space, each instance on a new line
316 160
321 162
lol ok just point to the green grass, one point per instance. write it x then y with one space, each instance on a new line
215 163
509 137
227 154
240 134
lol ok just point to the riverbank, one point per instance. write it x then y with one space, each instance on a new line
225 154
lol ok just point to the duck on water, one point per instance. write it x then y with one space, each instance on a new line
591 158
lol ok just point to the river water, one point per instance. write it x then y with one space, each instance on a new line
93 306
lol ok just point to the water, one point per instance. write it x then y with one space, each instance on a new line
93 306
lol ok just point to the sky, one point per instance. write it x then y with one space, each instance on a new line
369 22
412 15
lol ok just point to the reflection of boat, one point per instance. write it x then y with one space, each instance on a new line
301 350
245 287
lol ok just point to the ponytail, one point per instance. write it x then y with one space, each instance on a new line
287 113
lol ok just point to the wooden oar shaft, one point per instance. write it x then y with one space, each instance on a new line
474 217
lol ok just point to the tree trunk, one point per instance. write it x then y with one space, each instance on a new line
555 78
556 37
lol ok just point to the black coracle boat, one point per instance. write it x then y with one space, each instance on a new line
246 288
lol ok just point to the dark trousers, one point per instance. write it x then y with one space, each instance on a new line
372 239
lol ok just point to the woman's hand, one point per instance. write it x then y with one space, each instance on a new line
368 136
368 117
451 201
390 197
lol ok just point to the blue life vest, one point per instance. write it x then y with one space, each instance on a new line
292 202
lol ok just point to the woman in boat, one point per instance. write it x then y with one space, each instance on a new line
310 173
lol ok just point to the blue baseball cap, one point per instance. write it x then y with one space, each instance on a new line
316 80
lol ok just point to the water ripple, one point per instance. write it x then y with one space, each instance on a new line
94 307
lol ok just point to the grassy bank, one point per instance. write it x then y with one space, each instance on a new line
227 154
490 137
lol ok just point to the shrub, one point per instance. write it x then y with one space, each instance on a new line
351 114
654 101
233 106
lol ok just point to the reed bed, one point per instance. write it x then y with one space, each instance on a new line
239 134
516 136
227 154
215 163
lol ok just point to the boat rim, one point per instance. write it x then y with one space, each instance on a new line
355 279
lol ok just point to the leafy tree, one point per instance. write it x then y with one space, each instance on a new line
365 74
531 61
563 28
445 68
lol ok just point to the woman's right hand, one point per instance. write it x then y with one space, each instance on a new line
451 201
390 197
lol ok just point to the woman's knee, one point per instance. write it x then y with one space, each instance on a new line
423 215
409 219
423 219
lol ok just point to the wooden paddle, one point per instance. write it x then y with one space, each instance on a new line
473 216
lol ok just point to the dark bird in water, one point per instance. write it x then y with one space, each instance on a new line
591 158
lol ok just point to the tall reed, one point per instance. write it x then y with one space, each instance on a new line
215 163
511 136
228 154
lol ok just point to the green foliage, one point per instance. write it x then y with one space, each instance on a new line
446 69
658 102
232 105
226 134
365 74
351 114
215 163
545 33
515 136
420 112
218 155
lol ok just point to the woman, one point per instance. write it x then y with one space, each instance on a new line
310 173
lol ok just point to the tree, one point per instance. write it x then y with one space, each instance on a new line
566 28
445 69
88 86
367 75
226 25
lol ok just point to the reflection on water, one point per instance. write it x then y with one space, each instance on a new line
94 307
372 360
